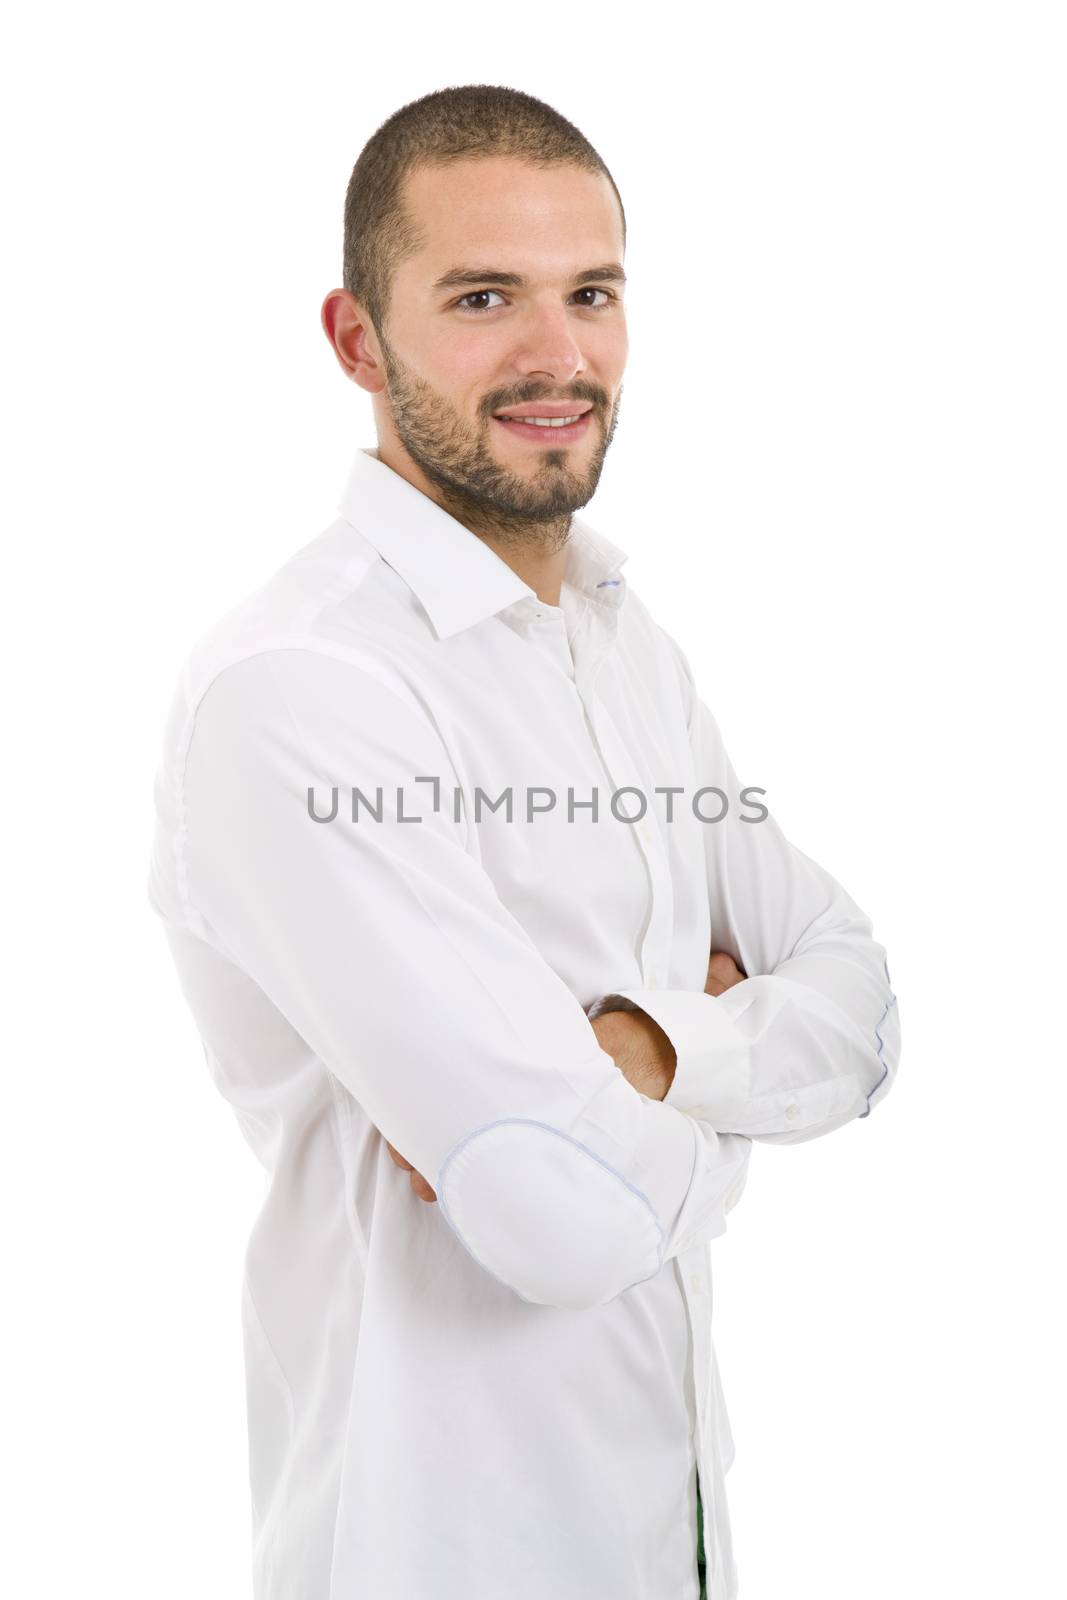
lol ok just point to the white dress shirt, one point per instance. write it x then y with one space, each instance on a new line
508 1393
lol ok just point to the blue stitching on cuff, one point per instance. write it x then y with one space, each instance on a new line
881 1042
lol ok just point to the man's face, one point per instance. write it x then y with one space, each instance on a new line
460 354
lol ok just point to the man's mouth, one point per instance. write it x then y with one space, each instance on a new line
554 422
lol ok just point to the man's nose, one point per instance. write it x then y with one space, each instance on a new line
547 344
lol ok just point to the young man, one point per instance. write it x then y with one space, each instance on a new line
501 970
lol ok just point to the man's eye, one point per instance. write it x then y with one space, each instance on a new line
483 294
476 294
608 297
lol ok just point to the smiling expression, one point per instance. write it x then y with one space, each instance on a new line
511 308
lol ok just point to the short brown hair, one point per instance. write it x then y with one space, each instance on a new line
456 124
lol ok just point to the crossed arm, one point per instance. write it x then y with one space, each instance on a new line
571 1154
637 1044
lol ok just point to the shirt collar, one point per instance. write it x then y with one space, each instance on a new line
457 578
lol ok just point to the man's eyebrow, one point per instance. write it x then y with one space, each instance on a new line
491 277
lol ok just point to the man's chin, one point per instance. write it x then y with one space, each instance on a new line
539 508
542 493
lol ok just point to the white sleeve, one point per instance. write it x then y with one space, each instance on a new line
385 945
811 1038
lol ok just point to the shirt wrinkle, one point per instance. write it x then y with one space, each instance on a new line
544 1330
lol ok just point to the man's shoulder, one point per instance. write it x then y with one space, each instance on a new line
332 599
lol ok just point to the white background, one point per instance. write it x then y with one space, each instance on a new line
839 474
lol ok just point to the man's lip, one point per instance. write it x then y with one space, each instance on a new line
548 408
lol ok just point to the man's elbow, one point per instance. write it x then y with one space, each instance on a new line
546 1216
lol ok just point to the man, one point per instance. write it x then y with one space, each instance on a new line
501 970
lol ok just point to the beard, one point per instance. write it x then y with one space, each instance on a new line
475 488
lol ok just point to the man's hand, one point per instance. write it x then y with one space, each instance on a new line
638 1045
640 1048
418 1182
723 973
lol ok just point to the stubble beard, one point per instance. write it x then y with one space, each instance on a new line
472 485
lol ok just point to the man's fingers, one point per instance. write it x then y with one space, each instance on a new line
418 1182
421 1187
398 1158
723 973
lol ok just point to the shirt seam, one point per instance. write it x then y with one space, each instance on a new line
341 1122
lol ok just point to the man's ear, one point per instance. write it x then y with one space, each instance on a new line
350 332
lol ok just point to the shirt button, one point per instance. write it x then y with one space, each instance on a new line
696 1282
792 1113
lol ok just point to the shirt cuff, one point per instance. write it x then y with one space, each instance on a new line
711 1077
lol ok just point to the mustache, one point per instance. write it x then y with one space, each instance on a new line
595 397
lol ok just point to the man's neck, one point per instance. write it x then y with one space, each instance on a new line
542 567
535 551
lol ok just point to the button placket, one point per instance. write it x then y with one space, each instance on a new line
591 644
695 1273
545 628
550 636
656 940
